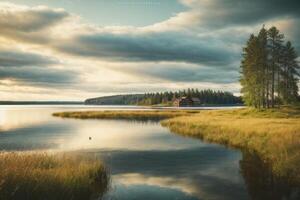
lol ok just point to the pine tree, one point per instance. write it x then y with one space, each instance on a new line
269 68
290 74
251 73
275 40
263 67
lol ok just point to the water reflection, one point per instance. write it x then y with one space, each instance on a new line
146 161
26 130
262 184
209 172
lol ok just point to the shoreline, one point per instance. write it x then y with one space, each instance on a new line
273 134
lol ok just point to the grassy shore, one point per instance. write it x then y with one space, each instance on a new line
129 114
273 134
38 176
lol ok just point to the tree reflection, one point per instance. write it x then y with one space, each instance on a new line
262 184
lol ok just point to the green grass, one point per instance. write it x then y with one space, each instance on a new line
273 134
130 115
36 176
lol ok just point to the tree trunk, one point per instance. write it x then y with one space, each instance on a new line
272 89
267 92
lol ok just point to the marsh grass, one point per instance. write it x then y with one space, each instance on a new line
129 115
273 134
37 176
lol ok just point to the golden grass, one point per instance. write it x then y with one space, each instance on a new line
38 176
131 115
273 134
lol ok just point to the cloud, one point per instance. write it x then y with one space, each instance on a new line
28 19
40 76
15 58
147 47
222 13
178 72
28 23
148 44
33 68
199 47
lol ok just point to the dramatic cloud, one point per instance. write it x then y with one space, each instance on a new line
28 23
28 19
148 47
200 47
39 76
19 59
224 13
33 69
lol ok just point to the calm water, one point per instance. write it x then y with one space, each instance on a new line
146 160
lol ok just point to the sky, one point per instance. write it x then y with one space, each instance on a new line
77 49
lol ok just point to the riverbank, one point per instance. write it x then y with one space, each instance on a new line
57 176
272 134
129 114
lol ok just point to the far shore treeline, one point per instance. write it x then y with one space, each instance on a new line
206 97
269 70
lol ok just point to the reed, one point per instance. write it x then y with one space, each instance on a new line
131 115
38 176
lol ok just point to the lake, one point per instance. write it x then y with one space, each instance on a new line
146 161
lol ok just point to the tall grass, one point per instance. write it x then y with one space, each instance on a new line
273 134
134 115
39 176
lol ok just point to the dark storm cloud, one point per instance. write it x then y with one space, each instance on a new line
249 11
32 68
147 47
42 76
19 59
223 13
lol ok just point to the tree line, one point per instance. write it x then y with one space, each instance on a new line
208 97
205 96
269 70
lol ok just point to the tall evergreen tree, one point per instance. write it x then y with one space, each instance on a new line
290 74
269 70
251 73
275 40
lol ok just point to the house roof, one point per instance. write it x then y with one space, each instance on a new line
195 99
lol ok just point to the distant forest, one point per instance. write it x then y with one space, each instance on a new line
270 70
207 97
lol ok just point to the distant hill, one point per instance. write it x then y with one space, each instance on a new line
207 97
129 99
